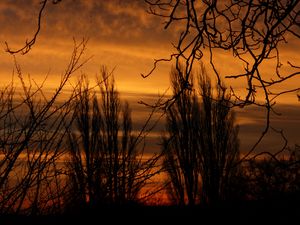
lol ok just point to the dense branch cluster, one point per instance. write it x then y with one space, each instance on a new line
252 31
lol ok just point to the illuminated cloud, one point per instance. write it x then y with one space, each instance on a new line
122 36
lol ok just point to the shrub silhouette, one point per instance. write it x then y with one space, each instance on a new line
270 178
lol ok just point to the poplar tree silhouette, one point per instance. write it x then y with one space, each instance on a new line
106 165
201 147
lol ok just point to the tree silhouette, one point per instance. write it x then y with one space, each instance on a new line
32 142
219 145
180 147
105 161
254 32
251 30
106 164
201 148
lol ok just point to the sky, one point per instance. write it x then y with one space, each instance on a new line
124 37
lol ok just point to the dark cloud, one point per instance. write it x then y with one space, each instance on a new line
251 121
254 122
112 21
122 34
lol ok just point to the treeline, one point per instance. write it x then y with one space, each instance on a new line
201 152
58 156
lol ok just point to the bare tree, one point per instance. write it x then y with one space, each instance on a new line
32 137
251 30
107 164
201 148
254 32
218 136
180 147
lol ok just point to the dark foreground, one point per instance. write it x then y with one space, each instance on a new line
258 212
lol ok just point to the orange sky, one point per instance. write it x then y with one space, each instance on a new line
122 35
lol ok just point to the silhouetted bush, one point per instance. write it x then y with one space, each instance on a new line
271 178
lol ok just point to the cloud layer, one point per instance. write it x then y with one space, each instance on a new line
123 36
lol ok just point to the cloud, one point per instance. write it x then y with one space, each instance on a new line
121 34
254 122
112 21
251 121
124 36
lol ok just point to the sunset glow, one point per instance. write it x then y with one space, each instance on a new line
148 103
126 39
